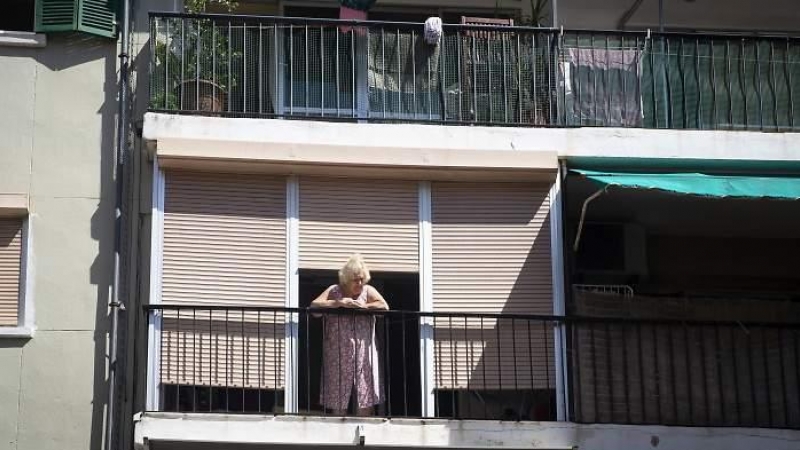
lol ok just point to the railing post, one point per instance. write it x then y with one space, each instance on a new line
292 298
559 301
153 396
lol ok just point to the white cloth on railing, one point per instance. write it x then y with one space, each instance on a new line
433 30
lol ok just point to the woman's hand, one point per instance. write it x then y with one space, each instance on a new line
350 303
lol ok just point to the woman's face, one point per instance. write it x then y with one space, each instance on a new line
356 284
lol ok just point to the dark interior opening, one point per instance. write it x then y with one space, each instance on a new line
397 340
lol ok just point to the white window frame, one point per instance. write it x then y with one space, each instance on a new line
26 324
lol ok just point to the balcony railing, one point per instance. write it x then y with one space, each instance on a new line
286 361
234 359
246 66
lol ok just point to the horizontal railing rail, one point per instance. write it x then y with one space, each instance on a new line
688 373
237 359
252 66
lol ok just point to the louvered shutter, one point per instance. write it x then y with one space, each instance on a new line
491 254
10 264
224 244
97 17
376 218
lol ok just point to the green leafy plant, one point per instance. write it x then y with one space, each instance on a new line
194 54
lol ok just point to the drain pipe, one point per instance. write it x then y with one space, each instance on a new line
121 149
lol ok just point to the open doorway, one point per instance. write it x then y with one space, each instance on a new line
397 339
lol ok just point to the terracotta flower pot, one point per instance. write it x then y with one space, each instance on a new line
201 95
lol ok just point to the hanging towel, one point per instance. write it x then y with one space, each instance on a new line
433 30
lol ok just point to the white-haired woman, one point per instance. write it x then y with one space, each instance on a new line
349 353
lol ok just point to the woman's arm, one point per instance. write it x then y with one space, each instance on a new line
324 300
375 300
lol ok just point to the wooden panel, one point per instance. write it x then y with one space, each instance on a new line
376 218
10 264
224 244
491 254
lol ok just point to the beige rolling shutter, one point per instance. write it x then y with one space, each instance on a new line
10 263
376 218
224 244
491 254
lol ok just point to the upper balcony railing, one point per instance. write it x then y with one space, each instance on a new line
246 66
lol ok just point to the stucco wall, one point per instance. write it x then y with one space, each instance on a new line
57 122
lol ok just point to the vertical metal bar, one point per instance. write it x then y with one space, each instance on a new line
668 85
260 362
767 380
773 84
260 76
460 53
489 79
626 387
322 68
474 80
759 90
277 70
443 79
470 366
545 332
735 376
688 359
405 369
702 342
276 355
718 357
499 353
228 359
789 84
414 77
291 69
641 370
195 361
530 355
576 362
230 58
197 66
383 67
534 90
592 345
514 349
729 77
211 360
682 72
742 78
430 92
387 345
784 394
607 83
336 69
453 370
609 373
183 62
715 123
673 373
505 78
181 365
244 359
353 74
751 378
697 79
623 115
307 69
656 378
244 75
305 314
796 360
594 78
653 77
167 88
518 63
399 74
437 369
483 366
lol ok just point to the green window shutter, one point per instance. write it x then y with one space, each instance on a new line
98 17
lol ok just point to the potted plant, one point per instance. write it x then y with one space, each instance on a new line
195 55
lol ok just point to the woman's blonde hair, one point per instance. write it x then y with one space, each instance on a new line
354 267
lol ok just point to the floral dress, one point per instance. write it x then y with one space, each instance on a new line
349 358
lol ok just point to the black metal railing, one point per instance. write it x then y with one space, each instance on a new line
249 66
634 371
250 360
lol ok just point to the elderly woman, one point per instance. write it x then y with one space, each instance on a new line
349 354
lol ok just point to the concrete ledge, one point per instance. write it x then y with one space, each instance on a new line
435 433
16 332
345 149
22 39
13 205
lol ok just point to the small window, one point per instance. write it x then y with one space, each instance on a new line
11 252
17 15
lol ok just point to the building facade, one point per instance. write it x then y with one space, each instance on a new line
585 237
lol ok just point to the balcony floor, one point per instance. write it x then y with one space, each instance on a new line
154 431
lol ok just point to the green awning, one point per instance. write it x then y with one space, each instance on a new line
702 184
